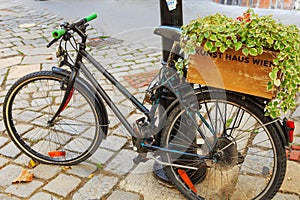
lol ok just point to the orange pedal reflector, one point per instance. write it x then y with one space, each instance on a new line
187 180
54 154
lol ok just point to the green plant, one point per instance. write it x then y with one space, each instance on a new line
253 35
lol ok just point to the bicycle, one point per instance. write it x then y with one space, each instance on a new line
213 144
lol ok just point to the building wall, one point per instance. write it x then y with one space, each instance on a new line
273 4
298 4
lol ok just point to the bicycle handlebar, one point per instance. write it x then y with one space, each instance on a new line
91 17
56 34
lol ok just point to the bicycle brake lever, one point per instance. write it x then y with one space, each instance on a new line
52 42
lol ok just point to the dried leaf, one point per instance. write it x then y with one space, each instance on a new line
65 168
25 176
90 176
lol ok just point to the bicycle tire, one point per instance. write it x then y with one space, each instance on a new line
77 132
253 163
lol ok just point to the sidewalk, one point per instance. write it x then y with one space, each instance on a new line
109 173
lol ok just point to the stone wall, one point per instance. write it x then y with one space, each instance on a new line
273 4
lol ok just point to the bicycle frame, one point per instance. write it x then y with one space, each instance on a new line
105 96
82 53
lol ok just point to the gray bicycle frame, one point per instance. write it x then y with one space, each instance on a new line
105 96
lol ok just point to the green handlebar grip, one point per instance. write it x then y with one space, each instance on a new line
91 17
58 33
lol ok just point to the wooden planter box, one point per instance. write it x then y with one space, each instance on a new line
233 71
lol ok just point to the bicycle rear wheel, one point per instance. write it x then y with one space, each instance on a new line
76 133
245 157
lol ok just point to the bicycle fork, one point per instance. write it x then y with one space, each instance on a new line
67 97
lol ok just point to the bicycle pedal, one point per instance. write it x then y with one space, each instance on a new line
140 158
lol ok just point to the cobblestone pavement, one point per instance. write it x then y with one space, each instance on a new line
109 173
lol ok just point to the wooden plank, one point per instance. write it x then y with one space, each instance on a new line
232 71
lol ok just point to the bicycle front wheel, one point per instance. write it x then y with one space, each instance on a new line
239 154
75 134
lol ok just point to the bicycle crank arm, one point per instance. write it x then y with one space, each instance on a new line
150 156
152 147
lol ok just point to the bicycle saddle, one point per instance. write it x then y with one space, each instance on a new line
169 32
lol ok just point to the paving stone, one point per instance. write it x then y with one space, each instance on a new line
114 143
141 66
24 189
141 180
2 78
96 188
117 195
22 159
31 36
6 45
7 62
291 178
62 185
101 156
281 196
296 140
146 60
43 196
29 51
3 140
10 150
8 174
82 169
121 131
36 42
36 59
22 70
136 71
117 98
122 163
28 25
6 197
297 128
8 52
46 171
3 161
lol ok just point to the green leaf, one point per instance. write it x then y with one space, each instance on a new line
208 46
200 38
273 75
206 34
223 48
260 50
269 86
276 61
238 46
277 82
273 114
251 44
218 44
270 41
253 52
213 49
213 37
245 51
228 42
281 46
194 37
228 122
276 45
